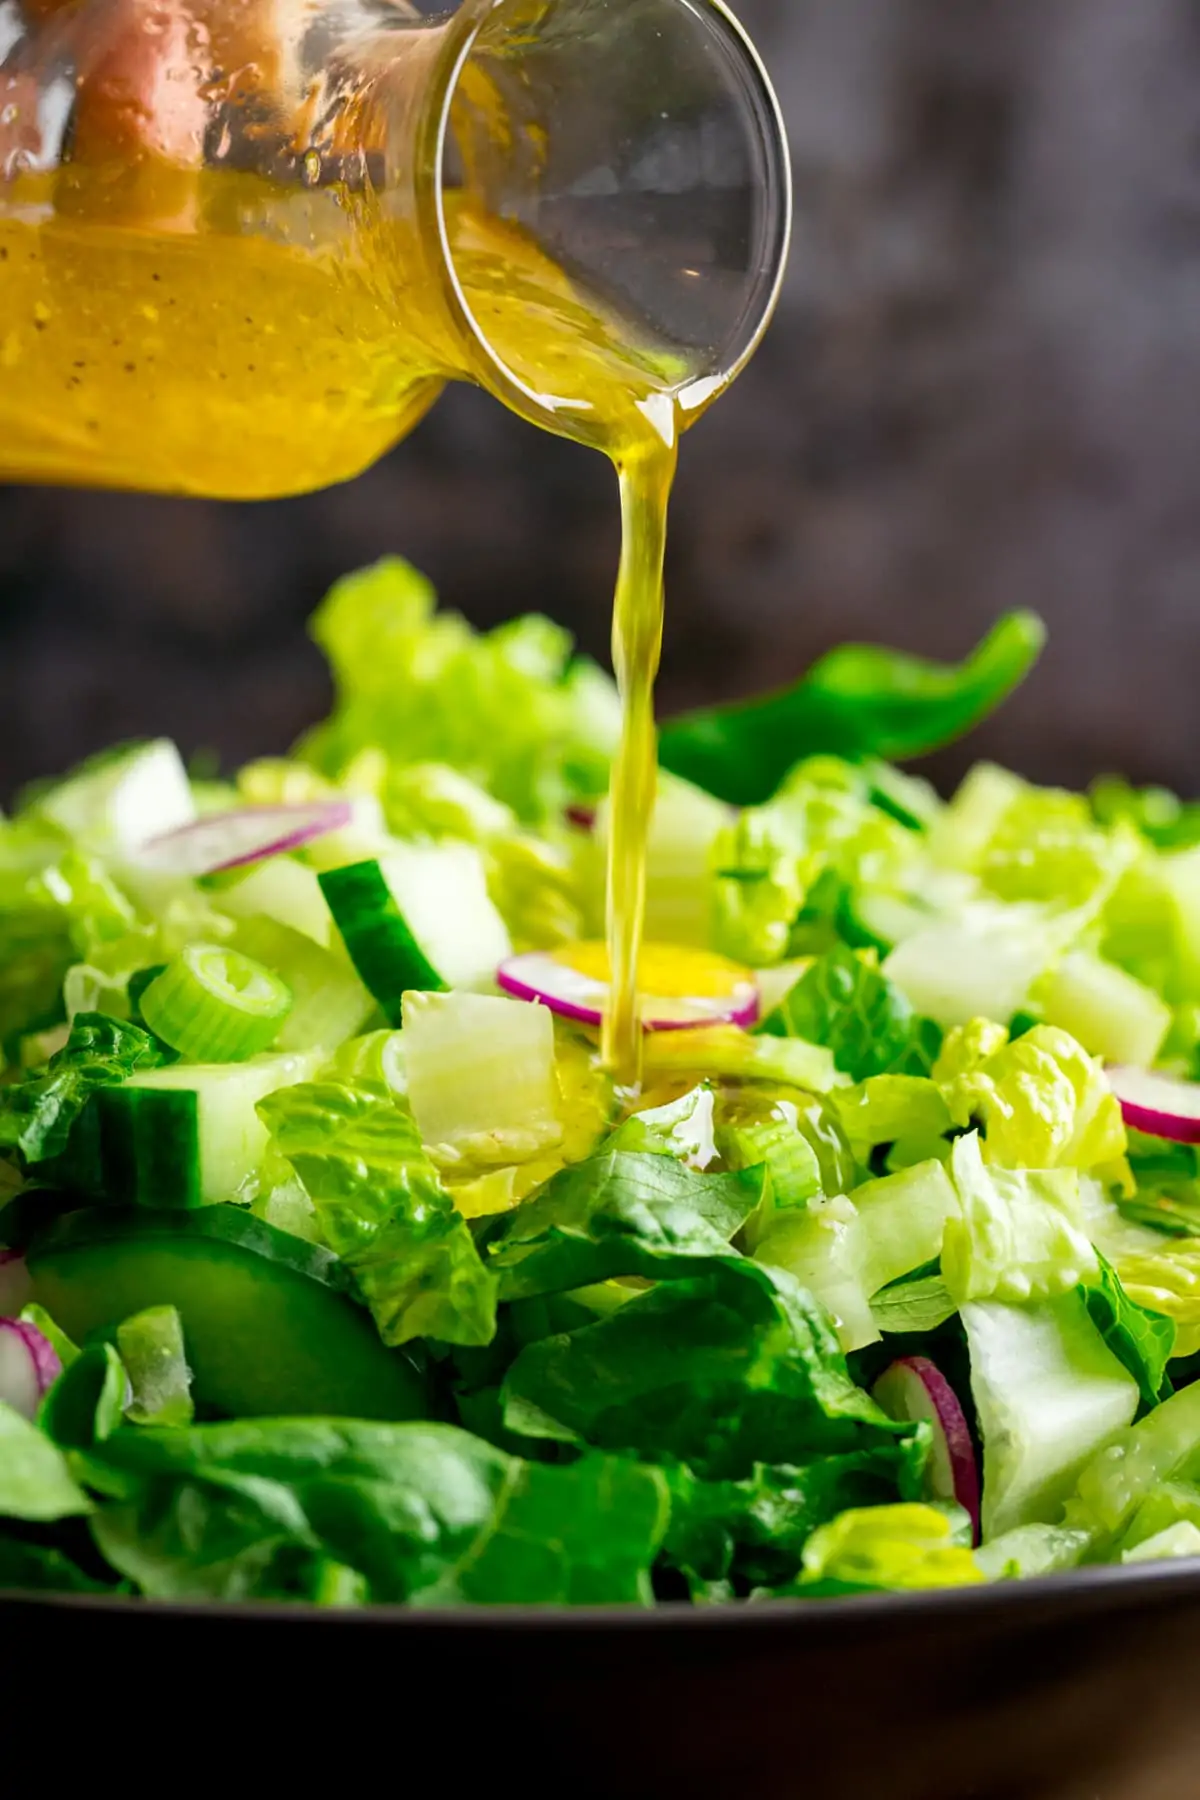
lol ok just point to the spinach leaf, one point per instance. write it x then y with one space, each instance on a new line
737 1366
852 1009
859 701
421 1512
384 1211
620 1213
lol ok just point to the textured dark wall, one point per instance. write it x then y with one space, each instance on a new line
983 390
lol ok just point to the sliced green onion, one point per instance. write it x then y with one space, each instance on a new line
216 1005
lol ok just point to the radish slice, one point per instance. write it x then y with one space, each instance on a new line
16 1287
914 1389
231 840
28 1364
679 987
1158 1104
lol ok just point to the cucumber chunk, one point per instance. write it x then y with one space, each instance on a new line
418 918
186 1136
269 1321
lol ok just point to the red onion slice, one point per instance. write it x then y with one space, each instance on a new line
16 1287
1158 1104
28 1365
231 840
914 1388
576 993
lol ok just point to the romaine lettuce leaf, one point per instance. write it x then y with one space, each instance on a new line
1048 1394
848 1006
509 709
682 1128
383 1210
1019 1233
890 1548
1122 1474
1043 1103
887 1108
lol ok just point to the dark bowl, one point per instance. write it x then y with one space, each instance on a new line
1085 1687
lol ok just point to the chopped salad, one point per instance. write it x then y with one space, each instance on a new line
336 1269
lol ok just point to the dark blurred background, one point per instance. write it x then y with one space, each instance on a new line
982 391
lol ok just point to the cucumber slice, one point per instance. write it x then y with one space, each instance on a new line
187 1136
269 1322
418 918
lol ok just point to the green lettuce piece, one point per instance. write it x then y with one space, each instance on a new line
35 1480
1181 1540
889 1548
888 1108
1045 1103
423 1513
1132 1463
917 1303
683 1128
783 871
791 1163
508 709
1169 1504
1166 1281
753 1532
965 1050
727 1369
1032 844
1048 1394
1144 1341
859 701
846 1249
759 887
849 1007
383 1209
1166 1179
1019 1235
741 1112
1031 1550
1159 815
820 1245
37 1115
620 1213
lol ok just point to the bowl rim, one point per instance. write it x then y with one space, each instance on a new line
1068 1593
